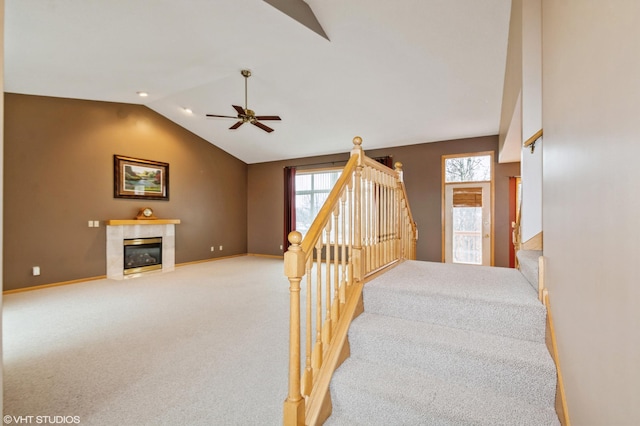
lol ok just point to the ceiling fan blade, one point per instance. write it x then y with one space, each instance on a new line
235 126
267 117
220 116
239 109
262 126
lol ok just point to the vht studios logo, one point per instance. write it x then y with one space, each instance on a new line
41 420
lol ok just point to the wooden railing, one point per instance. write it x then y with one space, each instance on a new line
364 226
516 235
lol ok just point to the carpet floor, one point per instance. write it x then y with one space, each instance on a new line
442 344
206 344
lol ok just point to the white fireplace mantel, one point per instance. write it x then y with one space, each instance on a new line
120 229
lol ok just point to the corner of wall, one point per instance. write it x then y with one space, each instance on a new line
510 115
1 179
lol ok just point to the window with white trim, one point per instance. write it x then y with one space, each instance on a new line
312 189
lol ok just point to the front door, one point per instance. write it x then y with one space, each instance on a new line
467 217
467 208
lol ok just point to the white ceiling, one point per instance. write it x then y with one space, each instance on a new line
394 72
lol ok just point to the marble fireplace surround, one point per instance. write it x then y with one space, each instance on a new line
120 229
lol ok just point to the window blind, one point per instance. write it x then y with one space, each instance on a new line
467 197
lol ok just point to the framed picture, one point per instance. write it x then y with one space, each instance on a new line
137 178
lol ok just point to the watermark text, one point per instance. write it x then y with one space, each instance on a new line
40 420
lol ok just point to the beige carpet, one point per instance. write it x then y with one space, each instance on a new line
203 345
446 344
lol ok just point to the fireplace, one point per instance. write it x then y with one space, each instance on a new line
142 255
119 230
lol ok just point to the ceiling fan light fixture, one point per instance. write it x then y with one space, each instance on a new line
246 115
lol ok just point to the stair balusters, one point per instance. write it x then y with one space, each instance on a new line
364 226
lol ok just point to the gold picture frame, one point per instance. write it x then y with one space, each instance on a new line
140 179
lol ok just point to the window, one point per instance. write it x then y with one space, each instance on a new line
312 189
467 169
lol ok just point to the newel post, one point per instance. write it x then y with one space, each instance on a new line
294 270
357 258
399 209
398 169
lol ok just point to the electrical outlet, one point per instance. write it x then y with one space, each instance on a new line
36 271
280 246
212 248
90 224
96 224
220 248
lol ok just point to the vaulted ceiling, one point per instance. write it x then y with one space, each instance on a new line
394 72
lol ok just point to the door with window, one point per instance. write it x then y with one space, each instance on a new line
467 209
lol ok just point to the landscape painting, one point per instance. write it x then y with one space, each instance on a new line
138 178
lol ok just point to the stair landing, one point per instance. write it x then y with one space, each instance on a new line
478 298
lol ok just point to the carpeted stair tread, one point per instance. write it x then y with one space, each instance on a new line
485 299
505 365
528 261
506 285
365 393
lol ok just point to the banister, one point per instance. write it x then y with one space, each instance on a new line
364 226
398 168
370 162
317 225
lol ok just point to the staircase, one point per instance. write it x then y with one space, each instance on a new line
443 344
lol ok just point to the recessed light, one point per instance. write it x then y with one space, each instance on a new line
187 110
142 94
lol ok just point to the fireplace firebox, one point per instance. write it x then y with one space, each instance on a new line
142 255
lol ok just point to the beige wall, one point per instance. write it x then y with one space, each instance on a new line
511 107
422 171
531 67
521 108
531 222
58 159
591 208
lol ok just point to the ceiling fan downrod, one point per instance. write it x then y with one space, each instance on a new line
246 74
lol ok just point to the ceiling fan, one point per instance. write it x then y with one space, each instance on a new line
245 115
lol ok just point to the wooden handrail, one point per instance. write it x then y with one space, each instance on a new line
398 168
516 235
537 135
370 162
364 226
317 225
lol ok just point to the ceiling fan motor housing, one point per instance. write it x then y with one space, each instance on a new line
246 115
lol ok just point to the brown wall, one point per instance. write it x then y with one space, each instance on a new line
58 159
59 175
422 170
265 188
